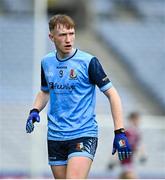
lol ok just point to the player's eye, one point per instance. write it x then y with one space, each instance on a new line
62 35
72 33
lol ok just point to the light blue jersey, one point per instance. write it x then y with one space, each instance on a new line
71 84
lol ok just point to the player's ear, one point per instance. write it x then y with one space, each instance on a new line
51 37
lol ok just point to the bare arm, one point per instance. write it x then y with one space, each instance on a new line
41 100
116 107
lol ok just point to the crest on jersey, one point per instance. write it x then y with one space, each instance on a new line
73 74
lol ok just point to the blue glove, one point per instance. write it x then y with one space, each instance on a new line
33 117
121 145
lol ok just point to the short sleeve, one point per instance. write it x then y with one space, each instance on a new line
97 75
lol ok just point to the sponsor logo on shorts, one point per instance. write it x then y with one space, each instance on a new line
80 146
52 158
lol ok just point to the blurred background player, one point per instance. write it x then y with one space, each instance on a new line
135 138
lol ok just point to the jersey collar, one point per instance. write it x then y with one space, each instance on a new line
67 58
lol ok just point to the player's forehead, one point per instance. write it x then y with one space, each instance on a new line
60 28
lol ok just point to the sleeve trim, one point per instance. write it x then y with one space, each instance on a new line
106 87
45 89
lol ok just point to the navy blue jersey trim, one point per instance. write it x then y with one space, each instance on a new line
66 58
43 79
96 73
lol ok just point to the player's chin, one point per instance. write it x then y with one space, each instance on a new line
67 50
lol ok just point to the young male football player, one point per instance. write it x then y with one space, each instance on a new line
68 80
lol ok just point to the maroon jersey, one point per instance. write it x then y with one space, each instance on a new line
133 134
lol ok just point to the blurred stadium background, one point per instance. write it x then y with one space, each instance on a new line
128 36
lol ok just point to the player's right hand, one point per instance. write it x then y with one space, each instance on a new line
33 117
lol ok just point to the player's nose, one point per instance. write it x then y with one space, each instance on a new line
68 39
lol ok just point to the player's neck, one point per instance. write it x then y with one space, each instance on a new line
63 56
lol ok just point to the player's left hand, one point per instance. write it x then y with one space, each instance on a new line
121 145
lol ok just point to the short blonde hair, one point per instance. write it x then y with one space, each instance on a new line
63 19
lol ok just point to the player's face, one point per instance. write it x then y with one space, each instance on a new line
63 39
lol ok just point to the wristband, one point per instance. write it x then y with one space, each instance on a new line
34 110
118 131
